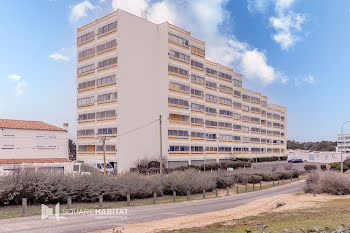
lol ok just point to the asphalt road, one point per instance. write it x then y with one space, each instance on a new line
139 214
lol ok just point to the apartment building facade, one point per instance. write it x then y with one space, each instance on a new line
343 143
130 71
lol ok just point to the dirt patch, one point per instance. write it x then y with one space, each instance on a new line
291 202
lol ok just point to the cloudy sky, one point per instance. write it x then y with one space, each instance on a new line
295 52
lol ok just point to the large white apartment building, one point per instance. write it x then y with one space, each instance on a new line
130 71
343 143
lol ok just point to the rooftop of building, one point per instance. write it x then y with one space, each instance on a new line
26 161
28 125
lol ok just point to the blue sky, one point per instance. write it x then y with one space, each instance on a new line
295 52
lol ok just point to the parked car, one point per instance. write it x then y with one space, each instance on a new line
100 166
295 161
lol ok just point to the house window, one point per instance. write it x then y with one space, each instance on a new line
7 141
107 28
46 141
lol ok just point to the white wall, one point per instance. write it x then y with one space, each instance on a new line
26 144
142 88
319 157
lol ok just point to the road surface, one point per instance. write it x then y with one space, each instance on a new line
139 214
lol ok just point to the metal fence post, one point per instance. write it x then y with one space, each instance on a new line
188 195
24 206
128 199
174 196
154 198
69 203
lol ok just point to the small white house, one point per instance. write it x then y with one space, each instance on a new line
33 144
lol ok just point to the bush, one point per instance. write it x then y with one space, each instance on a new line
323 167
328 182
254 179
284 158
223 182
310 167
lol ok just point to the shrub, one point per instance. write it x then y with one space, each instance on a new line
328 182
284 158
223 182
254 179
323 167
310 167
345 168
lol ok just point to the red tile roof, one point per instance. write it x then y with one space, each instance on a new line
20 161
28 125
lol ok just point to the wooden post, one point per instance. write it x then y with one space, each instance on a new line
188 195
69 203
24 206
216 192
246 187
154 198
253 186
227 191
174 196
278 182
203 194
237 189
283 180
273 183
128 199
100 201
260 185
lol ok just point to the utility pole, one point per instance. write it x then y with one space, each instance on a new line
161 150
103 139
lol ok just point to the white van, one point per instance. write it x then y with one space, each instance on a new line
98 164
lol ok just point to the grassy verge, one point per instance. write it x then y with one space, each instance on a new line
13 211
330 214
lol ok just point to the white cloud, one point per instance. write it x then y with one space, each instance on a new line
20 83
80 10
59 57
132 6
287 23
309 79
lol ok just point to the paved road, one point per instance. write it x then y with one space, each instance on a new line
139 214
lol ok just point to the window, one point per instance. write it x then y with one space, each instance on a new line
225 112
178 40
107 62
237 149
105 114
225 149
197 107
263 112
107 97
7 142
225 101
245 149
197 135
86 116
197 92
179 55
84 38
107 28
237 138
86 85
211 98
254 130
245 108
107 131
106 80
197 79
177 70
178 133
178 102
86 69
263 131
263 103
225 76
197 148
110 148
197 64
86 101
211 71
237 82
255 100
236 116
210 136
245 139
225 89
179 87
86 53
282 118
245 129
225 125
211 148
256 110
197 51
46 141
179 148
237 93
211 123
106 46
225 137
175 117
276 116
255 119
237 127
269 114
210 110
255 139
246 97
85 132
198 121
237 105
211 84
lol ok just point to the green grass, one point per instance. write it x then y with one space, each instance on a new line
13 211
330 214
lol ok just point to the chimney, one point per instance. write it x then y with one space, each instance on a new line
65 126
144 14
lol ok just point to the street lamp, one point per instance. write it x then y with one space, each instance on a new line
342 147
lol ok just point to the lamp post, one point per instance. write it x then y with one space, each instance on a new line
341 151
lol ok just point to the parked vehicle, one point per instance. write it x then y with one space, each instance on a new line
98 164
295 161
